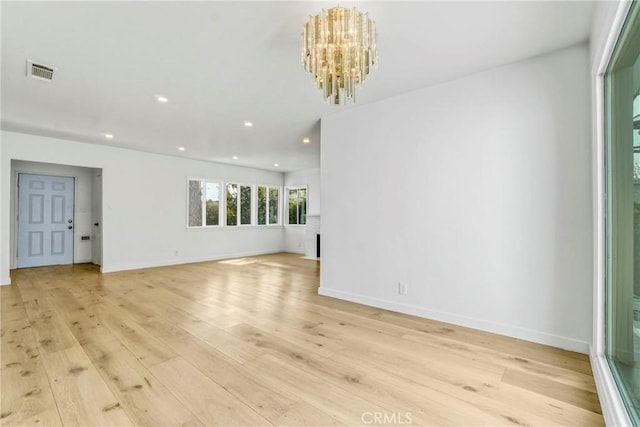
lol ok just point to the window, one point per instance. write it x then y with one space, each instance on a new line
297 205
238 204
268 198
204 203
622 219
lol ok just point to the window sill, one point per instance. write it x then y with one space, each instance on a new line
232 227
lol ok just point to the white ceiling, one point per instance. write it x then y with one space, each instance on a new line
221 63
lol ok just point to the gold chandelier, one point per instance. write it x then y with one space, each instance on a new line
339 50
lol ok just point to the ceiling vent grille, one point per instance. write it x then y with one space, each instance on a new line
39 71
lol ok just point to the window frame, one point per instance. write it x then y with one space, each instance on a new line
285 201
279 204
253 213
614 408
203 203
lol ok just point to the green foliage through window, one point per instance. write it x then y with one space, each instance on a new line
238 204
262 205
267 205
245 205
232 204
297 206
274 202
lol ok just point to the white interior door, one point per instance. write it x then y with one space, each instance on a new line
45 220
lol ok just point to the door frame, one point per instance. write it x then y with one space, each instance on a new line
15 210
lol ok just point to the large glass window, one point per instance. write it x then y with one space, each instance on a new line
204 203
238 204
297 206
268 198
622 166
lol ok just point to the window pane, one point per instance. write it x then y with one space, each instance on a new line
262 205
302 206
212 195
273 206
245 204
293 206
232 204
195 203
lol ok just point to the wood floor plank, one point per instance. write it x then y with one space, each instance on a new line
82 321
146 400
51 333
26 397
340 403
370 385
211 403
81 395
509 361
572 395
249 341
147 348
553 356
12 307
233 377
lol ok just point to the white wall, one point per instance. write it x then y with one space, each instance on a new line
144 203
4 275
82 249
4 272
294 235
476 193
603 18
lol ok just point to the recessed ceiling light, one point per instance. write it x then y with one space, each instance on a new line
181 148
108 135
235 157
162 99
276 165
247 124
306 140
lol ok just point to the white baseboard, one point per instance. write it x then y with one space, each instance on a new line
292 251
177 261
613 409
497 328
6 281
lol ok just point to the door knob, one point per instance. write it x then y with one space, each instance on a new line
70 227
70 221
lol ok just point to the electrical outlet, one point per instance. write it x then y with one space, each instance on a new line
402 288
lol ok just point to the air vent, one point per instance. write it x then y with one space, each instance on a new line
39 71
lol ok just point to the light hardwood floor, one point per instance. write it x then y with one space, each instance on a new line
249 342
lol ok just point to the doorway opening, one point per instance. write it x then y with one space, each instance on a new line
57 211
